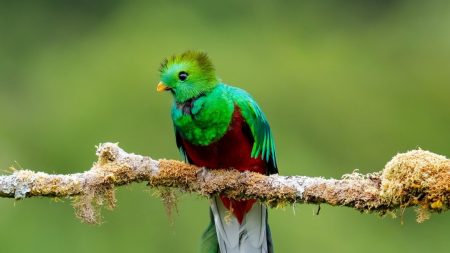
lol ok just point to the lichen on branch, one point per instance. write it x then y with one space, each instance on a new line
416 178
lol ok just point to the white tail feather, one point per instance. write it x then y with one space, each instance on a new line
248 237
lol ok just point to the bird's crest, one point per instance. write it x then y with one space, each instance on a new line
200 58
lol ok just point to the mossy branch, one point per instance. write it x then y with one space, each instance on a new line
416 178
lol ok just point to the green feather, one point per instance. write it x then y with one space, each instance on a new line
264 145
209 121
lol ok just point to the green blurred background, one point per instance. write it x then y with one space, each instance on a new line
345 84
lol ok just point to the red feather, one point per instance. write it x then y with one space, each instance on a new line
233 150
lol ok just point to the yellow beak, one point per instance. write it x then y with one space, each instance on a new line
161 87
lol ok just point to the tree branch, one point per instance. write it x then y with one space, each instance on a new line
416 178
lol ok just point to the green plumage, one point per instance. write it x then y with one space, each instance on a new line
264 144
212 105
208 119
211 114
202 77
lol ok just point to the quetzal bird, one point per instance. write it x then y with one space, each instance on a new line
221 126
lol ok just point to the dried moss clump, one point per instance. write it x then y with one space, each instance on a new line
88 205
98 189
417 178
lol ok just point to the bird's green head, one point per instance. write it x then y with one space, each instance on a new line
187 75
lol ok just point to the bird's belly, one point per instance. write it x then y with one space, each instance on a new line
233 150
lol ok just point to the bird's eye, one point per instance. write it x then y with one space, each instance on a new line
183 75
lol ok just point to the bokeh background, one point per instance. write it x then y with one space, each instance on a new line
345 85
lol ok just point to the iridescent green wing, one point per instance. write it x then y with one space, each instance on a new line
264 145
